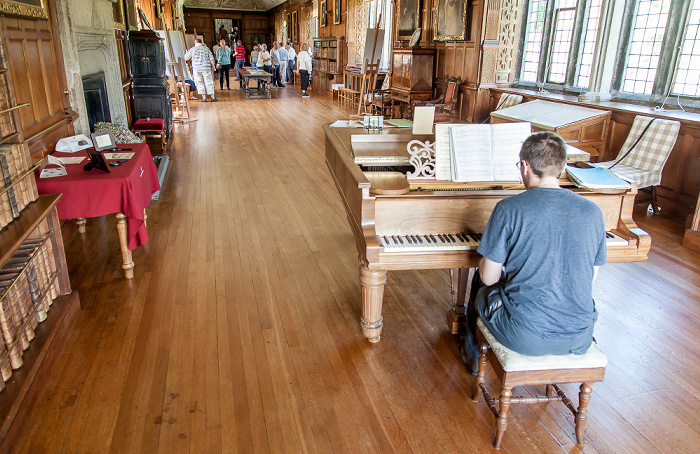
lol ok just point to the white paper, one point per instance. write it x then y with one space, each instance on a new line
72 160
119 155
73 144
53 172
471 153
506 141
443 157
423 117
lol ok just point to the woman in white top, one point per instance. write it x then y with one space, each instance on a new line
304 65
264 61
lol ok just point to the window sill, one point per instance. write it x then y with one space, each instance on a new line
637 109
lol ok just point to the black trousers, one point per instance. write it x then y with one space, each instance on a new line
304 75
223 72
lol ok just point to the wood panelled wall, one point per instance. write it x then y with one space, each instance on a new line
251 24
680 181
36 75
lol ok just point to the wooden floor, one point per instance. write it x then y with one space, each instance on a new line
240 331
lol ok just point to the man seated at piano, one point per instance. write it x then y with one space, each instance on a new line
541 251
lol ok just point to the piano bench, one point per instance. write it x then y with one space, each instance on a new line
514 369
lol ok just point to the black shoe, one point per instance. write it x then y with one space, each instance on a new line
472 364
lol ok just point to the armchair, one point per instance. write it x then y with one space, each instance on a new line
445 104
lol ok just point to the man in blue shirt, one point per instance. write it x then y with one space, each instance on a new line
541 253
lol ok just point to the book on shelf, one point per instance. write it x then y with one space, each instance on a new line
480 152
595 178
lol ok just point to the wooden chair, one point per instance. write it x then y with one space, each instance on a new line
368 84
514 369
645 163
381 98
445 104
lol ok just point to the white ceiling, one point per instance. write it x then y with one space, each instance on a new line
245 5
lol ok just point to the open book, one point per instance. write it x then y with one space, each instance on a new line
486 152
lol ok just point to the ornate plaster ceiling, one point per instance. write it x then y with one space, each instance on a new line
245 5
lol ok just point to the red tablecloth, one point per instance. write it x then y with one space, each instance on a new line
126 189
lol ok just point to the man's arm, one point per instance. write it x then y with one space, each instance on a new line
489 271
595 272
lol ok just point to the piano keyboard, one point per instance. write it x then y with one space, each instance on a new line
454 242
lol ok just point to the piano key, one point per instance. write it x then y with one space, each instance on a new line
455 241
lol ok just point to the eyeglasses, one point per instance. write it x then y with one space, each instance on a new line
519 164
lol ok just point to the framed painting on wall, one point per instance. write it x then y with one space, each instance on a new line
450 22
336 12
408 20
118 14
322 13
289 26
35 9
295 26
256 40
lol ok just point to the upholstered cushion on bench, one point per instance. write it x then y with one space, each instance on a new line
512 361
149 124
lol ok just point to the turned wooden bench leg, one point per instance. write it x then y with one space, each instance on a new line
481 377
584 397
502 420
80 222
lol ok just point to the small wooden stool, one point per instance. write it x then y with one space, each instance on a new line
151 126
514 369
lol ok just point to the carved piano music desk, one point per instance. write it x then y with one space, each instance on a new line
431 229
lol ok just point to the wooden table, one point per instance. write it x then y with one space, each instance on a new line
125 191
264 78
581 127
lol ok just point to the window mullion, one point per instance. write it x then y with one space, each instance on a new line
576 46
546 51
678 17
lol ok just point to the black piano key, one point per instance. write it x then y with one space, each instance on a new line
432 238
408 238
451 238
420 240
441 238
400 240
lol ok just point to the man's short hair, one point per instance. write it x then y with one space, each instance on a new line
545 152
198 40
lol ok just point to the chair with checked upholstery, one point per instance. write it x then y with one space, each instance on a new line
514 369
508 100
645 163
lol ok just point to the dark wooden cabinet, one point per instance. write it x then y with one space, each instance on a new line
412 76
151 92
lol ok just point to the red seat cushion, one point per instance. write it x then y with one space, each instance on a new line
149 124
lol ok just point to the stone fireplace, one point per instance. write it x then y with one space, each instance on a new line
89 47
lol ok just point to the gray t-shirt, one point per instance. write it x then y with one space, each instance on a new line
549 240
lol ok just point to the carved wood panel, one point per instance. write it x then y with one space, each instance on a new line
35 73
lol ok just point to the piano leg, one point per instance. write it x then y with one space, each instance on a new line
372 283
461 282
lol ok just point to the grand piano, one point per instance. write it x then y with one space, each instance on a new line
427 228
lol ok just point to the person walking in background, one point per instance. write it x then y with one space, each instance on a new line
254 56
304 62
275 58
240 58
284 55
223 34
202 69
292 54
223 56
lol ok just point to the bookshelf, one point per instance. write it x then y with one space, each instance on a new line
37 306
328 62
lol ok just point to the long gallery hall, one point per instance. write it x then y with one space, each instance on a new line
240 329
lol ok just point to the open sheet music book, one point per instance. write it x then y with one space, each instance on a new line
483 152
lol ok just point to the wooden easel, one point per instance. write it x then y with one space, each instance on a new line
369 79
180 88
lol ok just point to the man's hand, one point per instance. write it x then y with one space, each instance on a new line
489 271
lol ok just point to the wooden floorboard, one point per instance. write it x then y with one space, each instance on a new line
240 330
